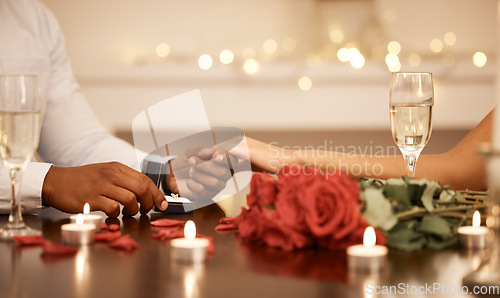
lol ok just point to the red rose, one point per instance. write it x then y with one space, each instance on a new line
331 205
275 233
263 190
249 224
268 189
288 204
303 208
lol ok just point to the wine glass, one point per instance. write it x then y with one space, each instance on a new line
411 102
20 101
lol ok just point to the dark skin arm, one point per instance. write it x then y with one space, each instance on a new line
461 167
104 186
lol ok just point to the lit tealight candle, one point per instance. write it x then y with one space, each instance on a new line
189 249
78 233
474 236
89 218
368 256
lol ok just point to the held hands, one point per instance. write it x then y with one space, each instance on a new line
199 173
104 186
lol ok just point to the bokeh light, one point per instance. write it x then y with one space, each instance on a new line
394 47
392 60
357 60
450 38
479 59
205 62
226 57
305 83
436 45
270 46
251 66
162 50
395 68
343 54
336 36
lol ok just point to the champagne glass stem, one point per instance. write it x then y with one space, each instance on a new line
411 164
15 217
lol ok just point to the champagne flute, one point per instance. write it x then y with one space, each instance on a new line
411 102
20 101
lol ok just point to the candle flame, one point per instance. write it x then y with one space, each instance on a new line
369 237
86 208
190 230
476 219
79 219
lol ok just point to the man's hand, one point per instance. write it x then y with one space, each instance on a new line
104 186
199 174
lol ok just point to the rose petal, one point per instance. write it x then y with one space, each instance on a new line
107 237
104 226
226 227
29 240
164 222
51 248
124 243
113 227
168 234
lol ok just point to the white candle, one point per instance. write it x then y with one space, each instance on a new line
78 233
367 256
474 236
189 249
89 218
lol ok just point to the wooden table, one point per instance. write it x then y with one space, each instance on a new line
237 269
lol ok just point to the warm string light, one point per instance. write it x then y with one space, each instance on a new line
205 62
305 83
250 59
226 57
251 66
479 59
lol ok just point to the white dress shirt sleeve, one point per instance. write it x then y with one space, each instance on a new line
70 135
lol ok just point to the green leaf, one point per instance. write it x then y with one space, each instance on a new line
397 189
439 244
436 225
404 237
365 183
378 211
428 195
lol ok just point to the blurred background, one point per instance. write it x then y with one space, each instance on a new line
295 72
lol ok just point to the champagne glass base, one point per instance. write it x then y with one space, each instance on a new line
8 234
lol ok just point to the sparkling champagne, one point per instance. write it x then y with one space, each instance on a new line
19 135
411 126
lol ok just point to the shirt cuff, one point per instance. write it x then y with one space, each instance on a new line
31 186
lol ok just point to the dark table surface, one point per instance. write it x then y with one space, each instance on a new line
236 269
